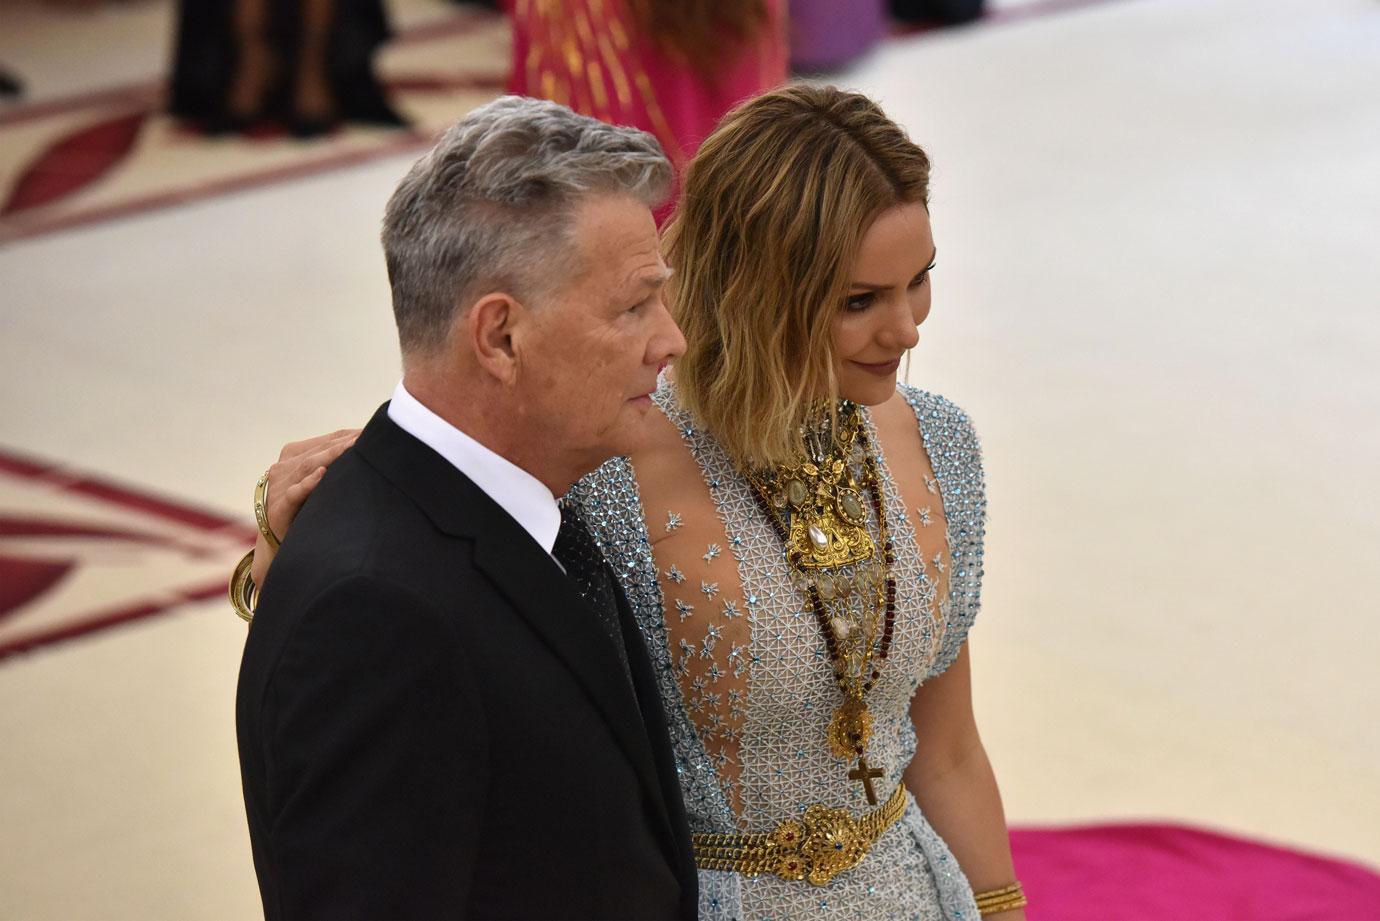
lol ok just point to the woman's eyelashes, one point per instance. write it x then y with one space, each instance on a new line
860 302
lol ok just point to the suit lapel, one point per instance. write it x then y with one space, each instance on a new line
677 826
545 598
528 577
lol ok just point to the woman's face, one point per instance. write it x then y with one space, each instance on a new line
888 299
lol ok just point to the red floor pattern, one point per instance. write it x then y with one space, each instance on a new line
79 553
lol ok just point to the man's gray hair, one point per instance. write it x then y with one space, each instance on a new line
489 207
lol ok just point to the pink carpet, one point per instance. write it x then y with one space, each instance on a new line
1175 873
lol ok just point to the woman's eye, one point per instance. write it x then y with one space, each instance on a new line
921 279
859 302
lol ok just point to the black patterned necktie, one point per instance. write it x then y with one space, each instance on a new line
584 564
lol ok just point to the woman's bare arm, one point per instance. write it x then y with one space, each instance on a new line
953 783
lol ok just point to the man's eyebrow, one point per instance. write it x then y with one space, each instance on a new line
868 286
647 285
657 280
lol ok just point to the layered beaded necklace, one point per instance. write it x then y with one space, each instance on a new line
816 507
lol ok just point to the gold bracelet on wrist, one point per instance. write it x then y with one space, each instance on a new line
998 907
261 511
244 594
1004 899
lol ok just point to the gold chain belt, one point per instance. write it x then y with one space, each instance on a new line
818 847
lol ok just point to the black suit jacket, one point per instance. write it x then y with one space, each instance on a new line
432 724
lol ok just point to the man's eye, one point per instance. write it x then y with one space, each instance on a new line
859 302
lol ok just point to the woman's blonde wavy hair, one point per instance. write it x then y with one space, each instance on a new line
774 207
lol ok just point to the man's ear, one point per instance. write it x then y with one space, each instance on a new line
489 326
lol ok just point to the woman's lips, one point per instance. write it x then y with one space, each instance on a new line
881 370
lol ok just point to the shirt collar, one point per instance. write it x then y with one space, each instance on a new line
525 498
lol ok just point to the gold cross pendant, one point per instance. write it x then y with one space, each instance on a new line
866 775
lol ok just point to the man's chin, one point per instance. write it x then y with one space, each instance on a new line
634 429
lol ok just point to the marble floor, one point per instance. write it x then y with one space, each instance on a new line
1156 295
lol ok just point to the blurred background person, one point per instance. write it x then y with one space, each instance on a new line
671 67
827 35
306 64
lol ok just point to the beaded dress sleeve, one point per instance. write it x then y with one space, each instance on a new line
953 447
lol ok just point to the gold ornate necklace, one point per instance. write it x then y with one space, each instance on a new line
817 509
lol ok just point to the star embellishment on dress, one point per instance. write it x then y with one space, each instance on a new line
685 608
687 652
738 664
672 521
926 516
931 485
709 588
713 551
675 575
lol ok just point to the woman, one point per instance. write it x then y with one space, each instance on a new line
801 539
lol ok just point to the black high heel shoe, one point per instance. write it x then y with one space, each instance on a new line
311 126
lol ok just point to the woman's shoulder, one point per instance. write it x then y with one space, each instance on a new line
944 427
934 411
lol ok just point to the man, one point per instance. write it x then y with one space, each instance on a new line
438 718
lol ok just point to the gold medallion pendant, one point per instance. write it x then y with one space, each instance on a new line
851 728
819 509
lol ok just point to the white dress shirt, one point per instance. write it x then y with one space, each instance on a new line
525 498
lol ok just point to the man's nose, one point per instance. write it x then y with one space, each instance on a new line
667 342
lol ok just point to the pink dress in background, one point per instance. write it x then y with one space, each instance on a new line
587 54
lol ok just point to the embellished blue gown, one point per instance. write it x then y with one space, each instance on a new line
745 674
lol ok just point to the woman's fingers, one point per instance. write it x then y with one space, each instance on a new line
295 495
300 467
291 481
297 448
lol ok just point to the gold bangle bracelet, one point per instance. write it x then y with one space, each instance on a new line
998 893
1006 898
1000 900
995 908
243 592
261 511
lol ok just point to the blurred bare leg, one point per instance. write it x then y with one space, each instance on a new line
254 64
313 103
